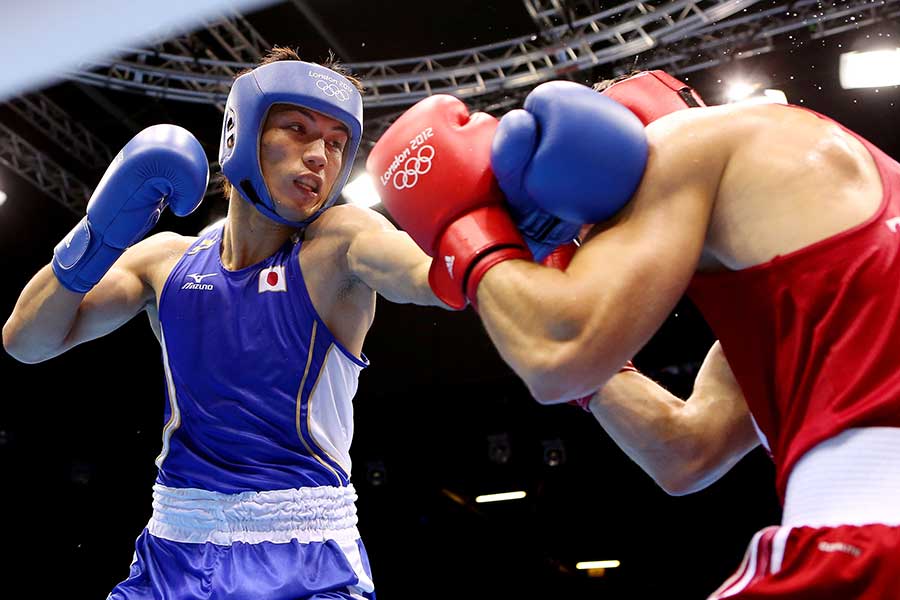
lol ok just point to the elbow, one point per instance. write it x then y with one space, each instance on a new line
681 484
11 343
573 358
545 392
690 472
15 346
546 378
562 373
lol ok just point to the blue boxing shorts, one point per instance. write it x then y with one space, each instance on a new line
282 544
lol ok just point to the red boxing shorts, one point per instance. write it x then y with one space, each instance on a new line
840 532
850 562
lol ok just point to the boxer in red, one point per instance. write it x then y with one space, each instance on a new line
783 227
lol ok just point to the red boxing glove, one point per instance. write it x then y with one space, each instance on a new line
432 169
560 258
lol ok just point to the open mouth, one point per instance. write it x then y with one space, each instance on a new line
309 184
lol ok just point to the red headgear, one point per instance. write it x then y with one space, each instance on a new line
653 94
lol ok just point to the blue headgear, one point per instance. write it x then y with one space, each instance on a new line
284 82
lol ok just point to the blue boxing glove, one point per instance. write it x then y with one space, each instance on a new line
513 146
571 157
162 165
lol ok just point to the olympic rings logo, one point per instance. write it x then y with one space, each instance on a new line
332 90
407 177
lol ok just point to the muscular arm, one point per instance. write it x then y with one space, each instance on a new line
48 319
390 263
683 445
566 333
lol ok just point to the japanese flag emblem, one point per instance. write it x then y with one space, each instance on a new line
272 280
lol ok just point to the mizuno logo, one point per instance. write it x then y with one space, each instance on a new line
197 283
197 277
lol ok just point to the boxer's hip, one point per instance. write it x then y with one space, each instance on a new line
308 514
288 543
850 479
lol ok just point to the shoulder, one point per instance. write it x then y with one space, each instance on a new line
731 126
162 245
702 125
152 258
695 146
346 221
751 136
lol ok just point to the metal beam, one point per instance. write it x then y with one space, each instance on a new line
42 171
605 37
746 36
61 129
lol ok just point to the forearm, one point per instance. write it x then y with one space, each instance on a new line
539 321
390 263
651 426
684 445
42 318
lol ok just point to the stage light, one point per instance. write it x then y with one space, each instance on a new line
501 497
756 95
554 452
765 97
499 448
2 197
876 68
375 473
740 90
362 192
597 564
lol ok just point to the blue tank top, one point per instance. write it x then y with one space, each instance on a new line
259 391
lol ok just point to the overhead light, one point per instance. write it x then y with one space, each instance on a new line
375 473
765 97
499 497
554 452
499 448
776 96
361 191
597 564
2 197
876 68
749 92
740 90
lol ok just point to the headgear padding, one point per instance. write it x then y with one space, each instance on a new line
284 82
653 94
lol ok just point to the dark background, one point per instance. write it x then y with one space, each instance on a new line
78 434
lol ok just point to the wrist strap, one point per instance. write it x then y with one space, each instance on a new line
585 401
628 366
486 232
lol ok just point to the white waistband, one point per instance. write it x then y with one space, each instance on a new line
850 479
310 514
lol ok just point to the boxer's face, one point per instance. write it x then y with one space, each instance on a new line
300 152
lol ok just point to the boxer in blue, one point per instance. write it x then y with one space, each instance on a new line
261 323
